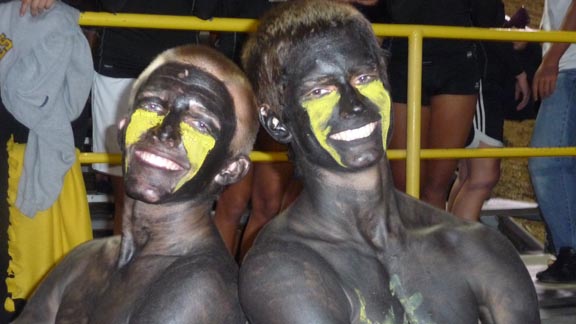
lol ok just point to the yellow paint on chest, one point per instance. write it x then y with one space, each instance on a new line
364 318
411 303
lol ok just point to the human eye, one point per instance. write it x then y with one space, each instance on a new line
152 106
318 93
201 126
365 78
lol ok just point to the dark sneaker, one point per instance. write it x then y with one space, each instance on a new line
563 270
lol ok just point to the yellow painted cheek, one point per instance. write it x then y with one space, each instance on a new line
376 92
140 122
197 146
319 110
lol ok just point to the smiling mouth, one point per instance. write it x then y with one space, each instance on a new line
158 161
354 134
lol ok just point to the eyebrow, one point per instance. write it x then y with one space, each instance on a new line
196 106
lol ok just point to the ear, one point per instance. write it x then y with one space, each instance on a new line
273 125
235 169
121 135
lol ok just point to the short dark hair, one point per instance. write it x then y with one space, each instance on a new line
265 54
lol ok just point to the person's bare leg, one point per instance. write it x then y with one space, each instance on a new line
461 178
268 188
399 141
483 176
230 207
118 192
450 120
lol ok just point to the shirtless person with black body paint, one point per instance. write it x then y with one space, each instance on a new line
351 248
190 129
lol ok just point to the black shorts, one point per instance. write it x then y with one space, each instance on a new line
455 74
488 125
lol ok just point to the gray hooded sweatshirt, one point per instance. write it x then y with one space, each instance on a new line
45 78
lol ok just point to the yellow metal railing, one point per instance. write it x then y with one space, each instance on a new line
415 34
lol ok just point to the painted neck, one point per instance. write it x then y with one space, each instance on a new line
369 186
343 201
169 229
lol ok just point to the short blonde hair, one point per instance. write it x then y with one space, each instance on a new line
219 66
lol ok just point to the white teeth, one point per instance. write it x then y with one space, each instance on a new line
158 161
354 134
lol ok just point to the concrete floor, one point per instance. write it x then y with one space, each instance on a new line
557 301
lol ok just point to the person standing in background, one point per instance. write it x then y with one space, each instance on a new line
502 76
554 178
450 83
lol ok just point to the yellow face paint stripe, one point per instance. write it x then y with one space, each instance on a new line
197 146
376 92
319 111
140 122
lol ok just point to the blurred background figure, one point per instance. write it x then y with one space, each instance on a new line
554 178
503 77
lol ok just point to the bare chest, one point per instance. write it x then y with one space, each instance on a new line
112 295
406 287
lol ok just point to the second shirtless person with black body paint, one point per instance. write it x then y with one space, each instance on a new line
351 248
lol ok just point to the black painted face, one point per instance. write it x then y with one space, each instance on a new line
178 134
338 108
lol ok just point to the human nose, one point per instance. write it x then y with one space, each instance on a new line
168 131
351 103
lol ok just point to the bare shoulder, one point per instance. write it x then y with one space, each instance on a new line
94 252
202 288
443 232
76 268
282 273
209 266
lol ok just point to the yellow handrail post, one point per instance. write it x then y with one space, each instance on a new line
415 34
414 113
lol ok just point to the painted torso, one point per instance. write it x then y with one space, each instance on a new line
88 287
430 273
